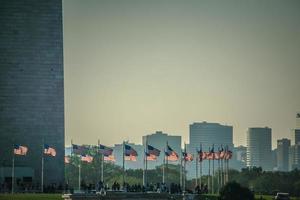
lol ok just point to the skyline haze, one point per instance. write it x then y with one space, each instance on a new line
135 67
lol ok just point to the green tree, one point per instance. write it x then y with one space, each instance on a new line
234 191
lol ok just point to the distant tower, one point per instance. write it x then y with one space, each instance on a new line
259 148
298 120
283 146
31 89
297 136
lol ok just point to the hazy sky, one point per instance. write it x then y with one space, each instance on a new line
134 67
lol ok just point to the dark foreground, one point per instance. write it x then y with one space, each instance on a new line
131 196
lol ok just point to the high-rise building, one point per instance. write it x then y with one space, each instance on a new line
283 146
31 90
294 157
208 135
259 148
297 136
298 120
159 140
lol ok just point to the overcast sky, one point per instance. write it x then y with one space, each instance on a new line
134 66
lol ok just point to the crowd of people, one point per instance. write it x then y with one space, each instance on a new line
171 188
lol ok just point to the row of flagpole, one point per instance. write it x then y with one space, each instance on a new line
22 151
151 153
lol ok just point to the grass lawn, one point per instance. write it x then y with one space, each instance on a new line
257 197
30 197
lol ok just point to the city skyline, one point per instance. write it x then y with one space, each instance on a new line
134 67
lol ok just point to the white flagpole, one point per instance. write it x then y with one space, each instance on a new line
213 172
13 171
227 171
144 165
219 179
197 160
79 175
208 180
102 169
123 164
102 161
183 171
180 169
163 178
200 181
42 176
167 168
146 175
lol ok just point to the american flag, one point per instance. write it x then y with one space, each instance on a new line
129 151
202 155
109 158
187 156
87 158
130 158
49 150
153 151
20 150
79 149
151 157
171 154
211 154
106 151
67 159
228 155
222 153
217 155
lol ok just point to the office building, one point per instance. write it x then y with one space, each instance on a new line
283 146
297 136
294 157
159 140
31 90
118 154
208 135
259 148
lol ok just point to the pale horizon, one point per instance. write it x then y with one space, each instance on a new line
135 67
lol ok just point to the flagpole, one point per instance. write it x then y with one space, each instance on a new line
213 171
102 164
167 168
222 184
226 166
180 169
13 172
42 176
197 160
164 161
219 179
146 174
208 180
200 181
79 175
123 165
144 163
184 164
227 171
